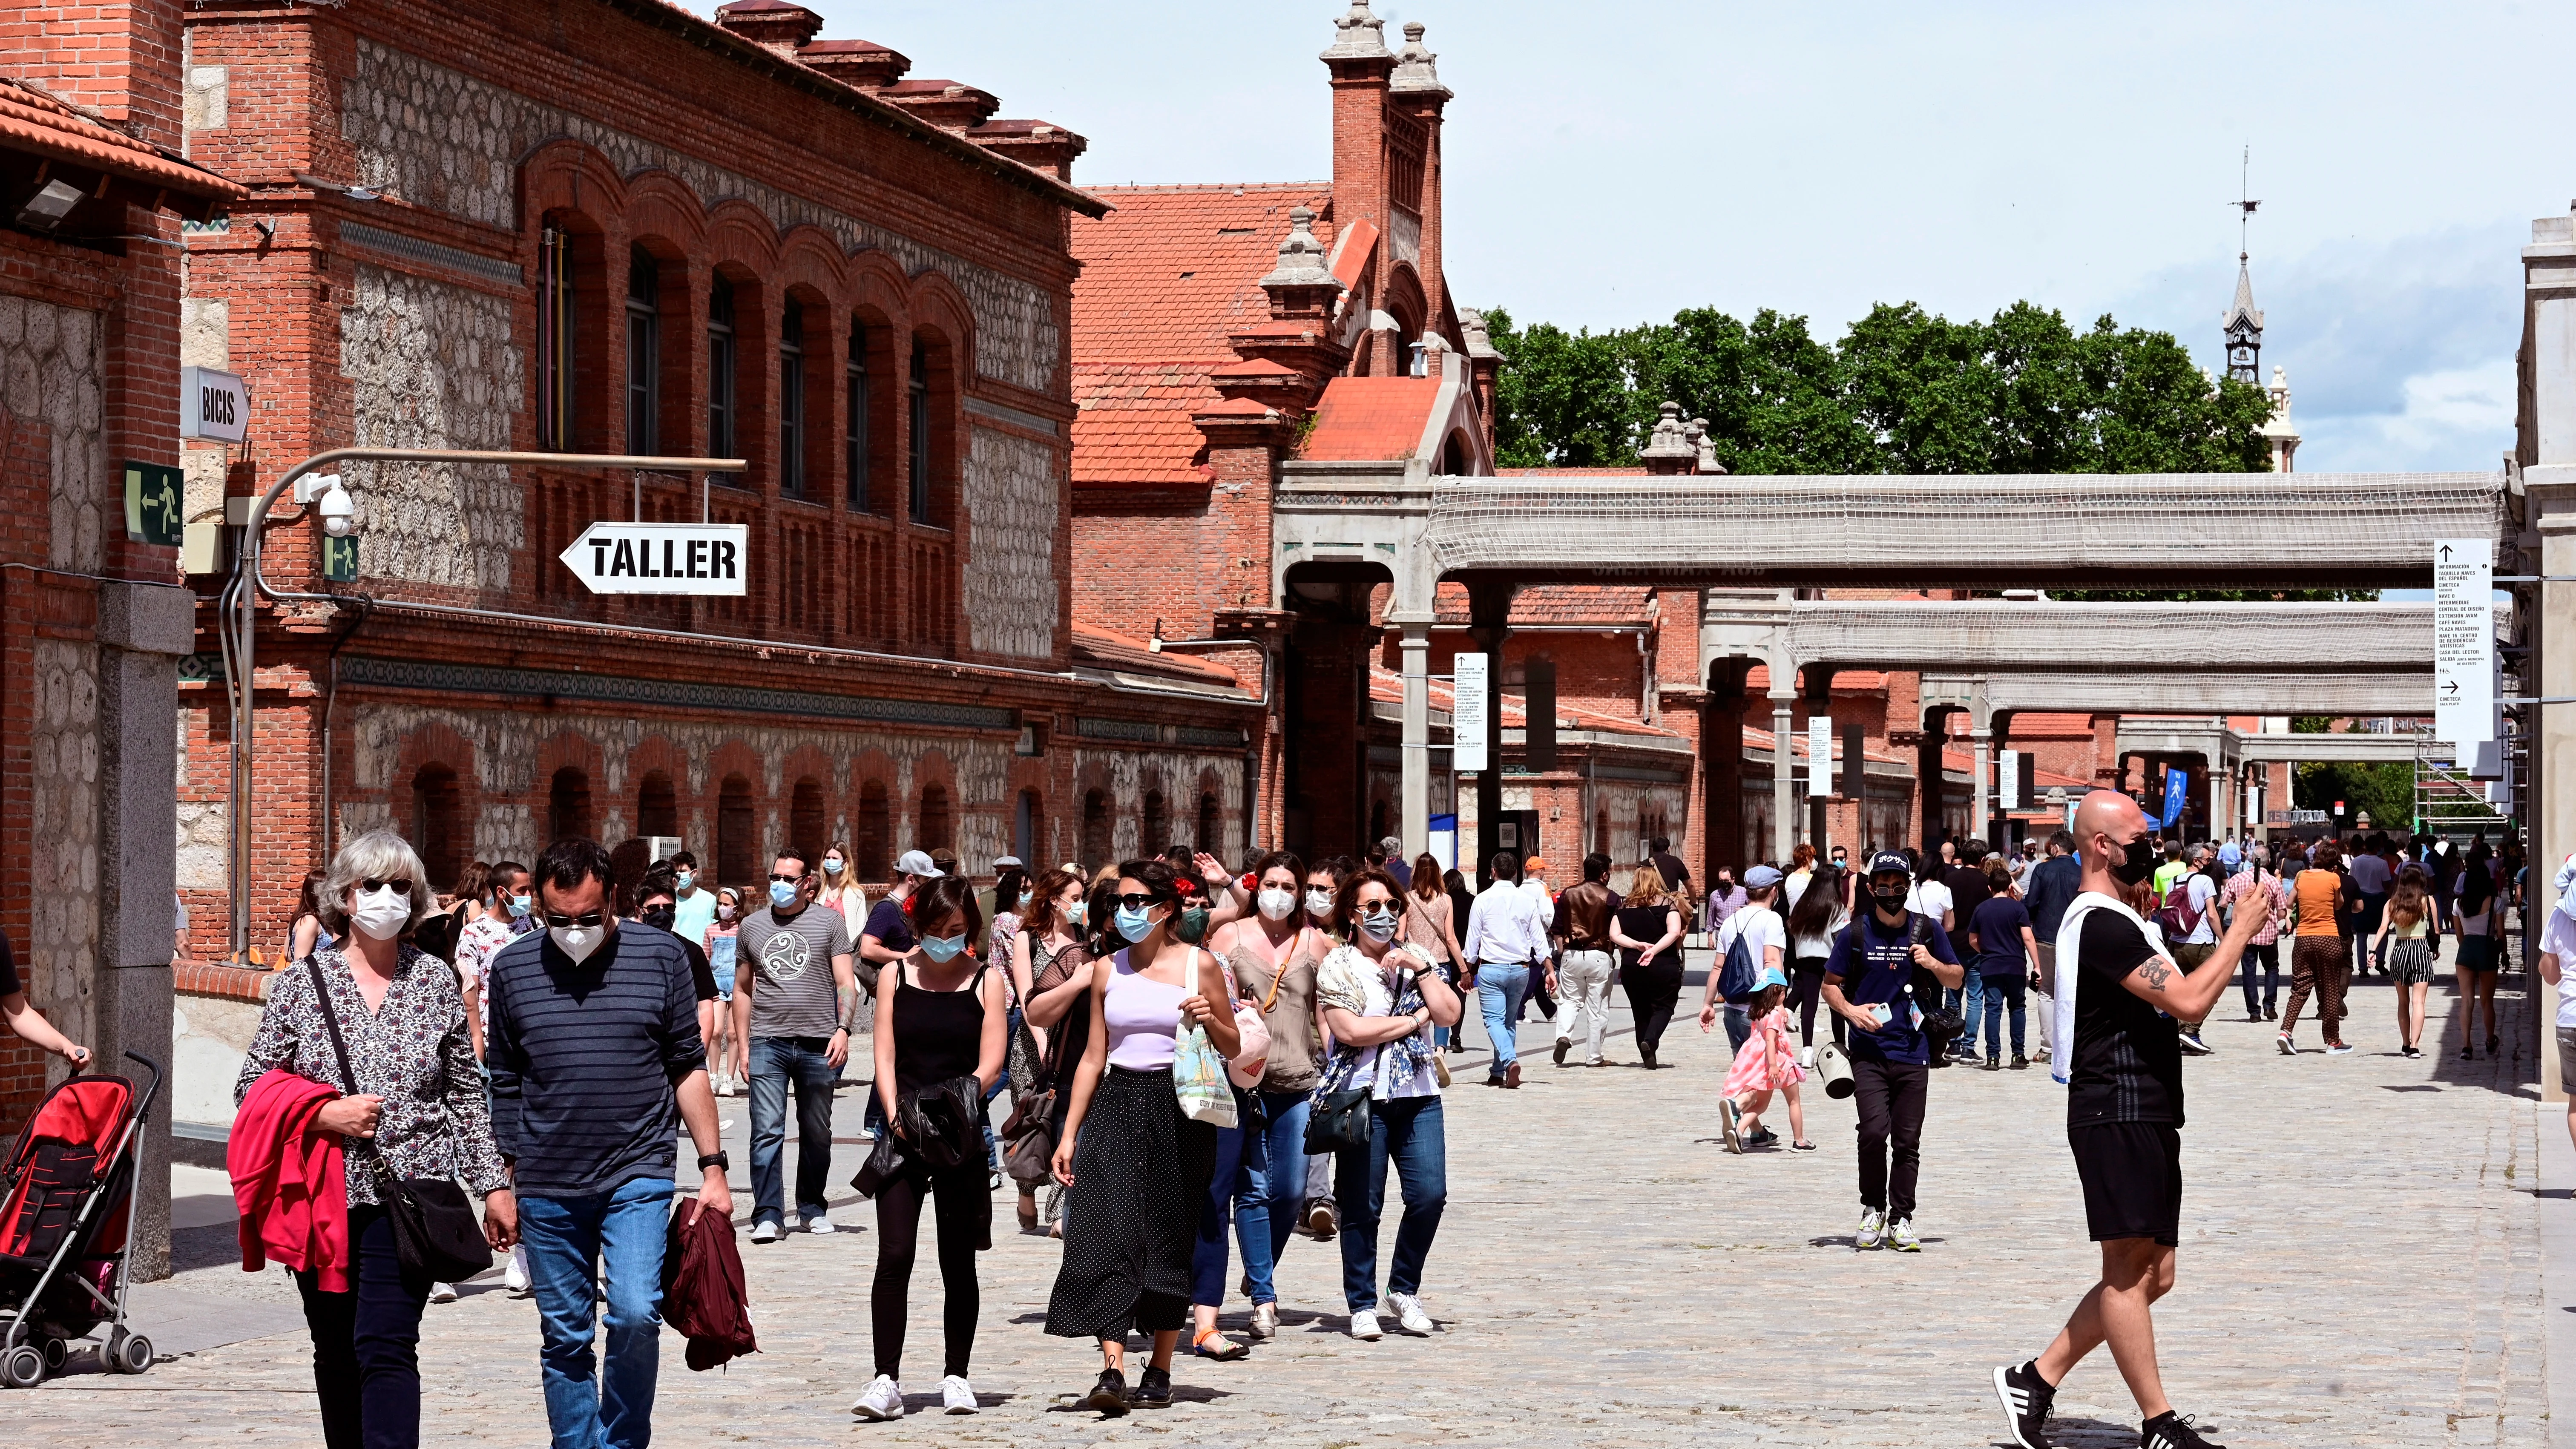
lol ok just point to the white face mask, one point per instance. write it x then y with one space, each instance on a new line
1276 903
381 914
1319 900
578 941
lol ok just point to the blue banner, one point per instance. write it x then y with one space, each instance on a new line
2177 794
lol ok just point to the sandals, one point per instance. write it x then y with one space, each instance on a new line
1802 1147
1226 1348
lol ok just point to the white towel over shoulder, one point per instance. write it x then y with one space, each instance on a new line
2070 938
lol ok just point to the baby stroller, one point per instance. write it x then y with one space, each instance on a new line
64 1225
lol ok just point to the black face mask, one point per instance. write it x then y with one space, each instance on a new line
1892 899
660 917
2136 864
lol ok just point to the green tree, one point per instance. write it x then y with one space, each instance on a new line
1771 393
2387 791
1562 399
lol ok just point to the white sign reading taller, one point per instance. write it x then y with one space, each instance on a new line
2464 661
1472 696
660 558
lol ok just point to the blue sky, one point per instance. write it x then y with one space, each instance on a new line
1611 163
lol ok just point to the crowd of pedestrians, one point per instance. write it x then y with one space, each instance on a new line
1205 1063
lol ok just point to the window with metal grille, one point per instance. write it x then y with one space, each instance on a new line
720 374
854 441
554 338
920 433
643 353
791 400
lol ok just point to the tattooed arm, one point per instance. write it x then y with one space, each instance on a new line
2189 995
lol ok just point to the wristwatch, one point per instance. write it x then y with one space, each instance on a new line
717 1160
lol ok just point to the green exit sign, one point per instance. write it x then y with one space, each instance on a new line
153 504
339 559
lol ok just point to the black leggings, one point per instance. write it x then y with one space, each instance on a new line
1806 989
366 1342
964 1211
1652 993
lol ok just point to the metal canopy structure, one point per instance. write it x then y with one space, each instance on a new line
2076 530
2182 692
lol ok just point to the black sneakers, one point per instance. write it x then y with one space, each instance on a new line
2170 1430
2026 1398
1109 1395
1153 1390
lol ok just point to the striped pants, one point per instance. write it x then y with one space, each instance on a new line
2322 964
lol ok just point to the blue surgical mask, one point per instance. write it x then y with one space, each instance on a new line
782 893
519 907
1135 925
687 878
1025 897
942 948
1076 913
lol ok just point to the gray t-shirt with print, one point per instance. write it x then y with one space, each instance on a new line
789 965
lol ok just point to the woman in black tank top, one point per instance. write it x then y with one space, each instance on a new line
944 1019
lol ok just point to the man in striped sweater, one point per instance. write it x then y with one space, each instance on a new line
596 1060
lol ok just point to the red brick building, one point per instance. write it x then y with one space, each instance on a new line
93 191
473 226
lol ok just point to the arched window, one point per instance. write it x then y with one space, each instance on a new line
920 420
854 442
435 825
806 827
1095 830
721 370
1157 831
1028 830
1208 840
657 806
1455 458
568 805
735 825
791 400
643 353
937 831
555 328
876 827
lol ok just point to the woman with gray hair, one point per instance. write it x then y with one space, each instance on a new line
417 1104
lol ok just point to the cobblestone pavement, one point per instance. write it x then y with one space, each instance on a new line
2360 1267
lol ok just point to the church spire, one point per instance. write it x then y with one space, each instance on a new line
2243 321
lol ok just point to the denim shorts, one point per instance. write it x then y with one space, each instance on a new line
2567 1057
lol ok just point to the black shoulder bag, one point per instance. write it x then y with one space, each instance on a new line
435 1231
1941 1026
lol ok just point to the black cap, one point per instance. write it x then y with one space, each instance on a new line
1890 860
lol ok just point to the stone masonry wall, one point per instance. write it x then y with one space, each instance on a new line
431 365
63 849
1012 499
439 138
52 373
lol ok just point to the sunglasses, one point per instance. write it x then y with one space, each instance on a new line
1138 900
400 887
593 918
788 879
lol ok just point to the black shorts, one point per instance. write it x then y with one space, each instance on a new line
2132 1175
2476 953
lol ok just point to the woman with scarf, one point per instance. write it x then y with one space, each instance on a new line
1379 1004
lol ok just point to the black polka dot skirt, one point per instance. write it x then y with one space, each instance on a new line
1140 1176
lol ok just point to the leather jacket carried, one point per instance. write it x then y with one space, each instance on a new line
943 1124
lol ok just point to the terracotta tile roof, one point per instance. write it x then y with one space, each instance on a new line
37 124
1094 645
2052 724
1363 419
1173 269
1355 249
1134 428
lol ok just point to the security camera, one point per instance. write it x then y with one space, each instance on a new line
339 512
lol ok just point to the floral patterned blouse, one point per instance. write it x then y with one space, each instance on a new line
412 1051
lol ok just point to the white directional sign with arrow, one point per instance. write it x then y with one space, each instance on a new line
661 558
2464 662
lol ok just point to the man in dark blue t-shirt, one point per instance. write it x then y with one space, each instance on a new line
2000 931
1869 982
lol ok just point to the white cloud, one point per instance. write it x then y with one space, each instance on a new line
2455 418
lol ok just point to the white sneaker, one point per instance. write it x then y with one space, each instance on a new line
884 1399
1364 1325
957 1396
1807 1057
764 1231
514 1274
442 1292
1900 1236
1873 1226
820 1223
1408 1312
1265 1321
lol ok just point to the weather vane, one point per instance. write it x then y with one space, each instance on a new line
2244 204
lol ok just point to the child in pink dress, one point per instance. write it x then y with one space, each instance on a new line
1767 1063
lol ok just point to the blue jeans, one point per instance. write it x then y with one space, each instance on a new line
1500 990
776 1062
568 1238
1272 1189
1999 994
1407 1129
1216 1214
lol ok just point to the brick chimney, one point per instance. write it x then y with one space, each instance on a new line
1415 93
1361 66
861 65
116 59
1040 144
947 104
777 25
